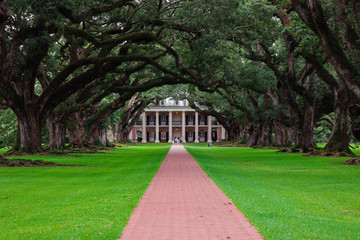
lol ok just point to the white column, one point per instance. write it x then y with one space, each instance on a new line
170 127
131 135
134 135
209 130
218 134
157 127
196 127
223 131
183 126
144 127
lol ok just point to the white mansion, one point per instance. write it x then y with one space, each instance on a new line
175 119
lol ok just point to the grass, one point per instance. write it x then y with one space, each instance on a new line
353 146
3 150
90 202
287 196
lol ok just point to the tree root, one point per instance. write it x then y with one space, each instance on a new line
328 153
310 148
353 162
4 162
230 144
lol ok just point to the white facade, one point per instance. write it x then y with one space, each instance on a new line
175 119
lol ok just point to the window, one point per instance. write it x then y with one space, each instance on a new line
152 136
190 134
202 119
151 119
163 134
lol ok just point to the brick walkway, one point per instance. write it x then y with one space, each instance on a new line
182 202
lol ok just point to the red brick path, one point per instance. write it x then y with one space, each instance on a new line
182 202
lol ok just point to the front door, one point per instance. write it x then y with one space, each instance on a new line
177 133
163 136
214 135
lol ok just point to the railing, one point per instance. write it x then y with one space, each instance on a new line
177 122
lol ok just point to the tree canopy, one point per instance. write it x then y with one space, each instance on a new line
269 71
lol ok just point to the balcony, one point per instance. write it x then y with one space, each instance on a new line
177 123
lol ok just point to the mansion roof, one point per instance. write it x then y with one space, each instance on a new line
170 104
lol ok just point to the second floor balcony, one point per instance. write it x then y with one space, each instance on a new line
178 122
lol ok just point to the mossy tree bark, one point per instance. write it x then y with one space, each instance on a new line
77 131
57 130
265 139
233 133
343 100
307 117
340 137
306 142
30 132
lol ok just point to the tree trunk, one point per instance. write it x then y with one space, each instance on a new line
278 135
304 125
57 131
77 132
253 137
233 133
307 132
340 137
282 135
60 131
123 130
51 128
122 136
30 132
83 134
264 139
111 135
96 137
77 137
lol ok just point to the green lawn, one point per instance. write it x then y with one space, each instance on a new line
284 195
353 146
90 202
3 150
